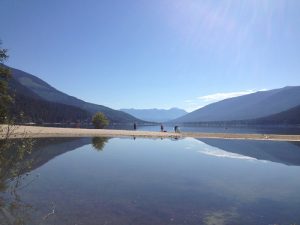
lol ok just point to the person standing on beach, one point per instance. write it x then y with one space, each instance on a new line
161 128
134 126
176 129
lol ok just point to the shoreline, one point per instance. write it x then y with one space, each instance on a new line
43 132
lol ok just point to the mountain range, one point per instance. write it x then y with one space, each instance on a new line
38 100
156 115
290 116
281 104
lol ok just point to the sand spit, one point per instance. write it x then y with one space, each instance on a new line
37 132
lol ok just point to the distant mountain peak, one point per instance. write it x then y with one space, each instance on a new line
156 115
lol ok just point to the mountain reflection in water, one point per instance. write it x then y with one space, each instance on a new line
287 153
17 159
150 181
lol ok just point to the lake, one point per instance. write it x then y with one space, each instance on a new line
263 129
222 129
120 181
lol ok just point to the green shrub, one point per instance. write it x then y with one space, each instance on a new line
100 121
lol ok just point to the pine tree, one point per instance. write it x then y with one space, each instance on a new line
5 98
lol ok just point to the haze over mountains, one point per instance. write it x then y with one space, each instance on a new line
41 102
290 116
156 115
248 107
32 94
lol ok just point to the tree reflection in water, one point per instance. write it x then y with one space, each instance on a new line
99 142
13 169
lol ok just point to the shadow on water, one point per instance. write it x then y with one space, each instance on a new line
287 153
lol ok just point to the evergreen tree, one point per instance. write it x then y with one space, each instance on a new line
5 98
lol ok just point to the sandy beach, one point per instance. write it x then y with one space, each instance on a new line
38 132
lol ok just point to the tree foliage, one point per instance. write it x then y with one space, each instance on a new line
100 121
99 142
5 98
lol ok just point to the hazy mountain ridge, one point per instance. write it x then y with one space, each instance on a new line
42 102
156 115
43 91
290 116
35 109
247 107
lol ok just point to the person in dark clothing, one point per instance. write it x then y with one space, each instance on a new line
134 126
161 128
176 129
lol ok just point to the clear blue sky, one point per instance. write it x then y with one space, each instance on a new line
158 53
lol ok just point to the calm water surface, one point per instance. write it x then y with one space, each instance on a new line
220 129
118 181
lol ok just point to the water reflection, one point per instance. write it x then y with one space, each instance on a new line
17 159
151 181
12 168
287 153
99 142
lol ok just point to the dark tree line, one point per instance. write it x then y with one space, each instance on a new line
26 109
